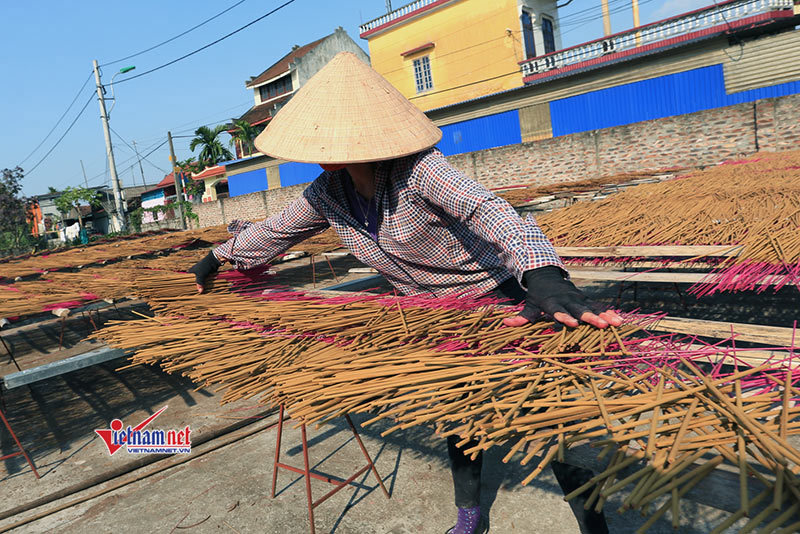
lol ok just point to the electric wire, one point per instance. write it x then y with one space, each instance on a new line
78 116
134 150
208 45
61 118
175 37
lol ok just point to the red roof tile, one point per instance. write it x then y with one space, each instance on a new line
282 65
168 180
163 184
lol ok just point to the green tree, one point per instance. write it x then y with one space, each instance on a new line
188 167
245 133
72 197
14 211
212 151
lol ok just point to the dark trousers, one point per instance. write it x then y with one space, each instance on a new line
467 485
467 472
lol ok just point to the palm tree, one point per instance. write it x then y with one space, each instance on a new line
244 133
212 151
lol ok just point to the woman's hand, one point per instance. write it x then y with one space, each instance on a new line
203 269
550 293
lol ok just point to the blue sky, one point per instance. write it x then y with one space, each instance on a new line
48 48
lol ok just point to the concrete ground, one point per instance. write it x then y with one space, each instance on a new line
228 489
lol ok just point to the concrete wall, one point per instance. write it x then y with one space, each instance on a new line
696 139
338 41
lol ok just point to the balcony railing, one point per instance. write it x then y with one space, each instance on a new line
723 14
394 15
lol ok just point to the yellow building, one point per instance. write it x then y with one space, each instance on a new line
440 52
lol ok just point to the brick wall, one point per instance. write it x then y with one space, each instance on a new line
259 205
696 139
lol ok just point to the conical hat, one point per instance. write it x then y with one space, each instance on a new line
347 113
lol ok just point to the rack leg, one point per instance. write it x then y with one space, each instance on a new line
308 480
366 454
331 266
277 452
19 446
10 354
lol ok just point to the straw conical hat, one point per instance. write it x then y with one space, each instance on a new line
347 113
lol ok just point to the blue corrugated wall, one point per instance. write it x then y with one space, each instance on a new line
293 173
247 182
665 96
484 132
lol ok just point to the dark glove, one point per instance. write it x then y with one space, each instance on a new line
205 268
549 292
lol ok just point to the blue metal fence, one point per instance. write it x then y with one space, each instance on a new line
293 173
247 182
665 96
481 133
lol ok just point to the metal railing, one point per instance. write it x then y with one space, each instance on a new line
704 18
394 15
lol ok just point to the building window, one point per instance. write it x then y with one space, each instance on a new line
276 88
527 34
422 74
548 35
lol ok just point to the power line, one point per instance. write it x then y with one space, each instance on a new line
176 37
62 135
58 121
208 45
582 22
121 164
134 150
164 142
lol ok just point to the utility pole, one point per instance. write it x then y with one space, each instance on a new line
85 181
118 217
140 163
175 174
635 9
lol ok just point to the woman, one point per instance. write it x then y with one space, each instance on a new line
400 208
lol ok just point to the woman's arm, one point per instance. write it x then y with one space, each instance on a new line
257 243
521 245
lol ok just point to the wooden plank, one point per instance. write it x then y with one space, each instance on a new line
663 277
775 336
649 251
625 276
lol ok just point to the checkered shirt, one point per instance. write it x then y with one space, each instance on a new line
439 232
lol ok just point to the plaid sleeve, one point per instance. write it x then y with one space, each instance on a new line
255 243
521 245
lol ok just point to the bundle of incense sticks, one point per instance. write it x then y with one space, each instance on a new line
521 195
122 250
753 203
661 423
109 251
